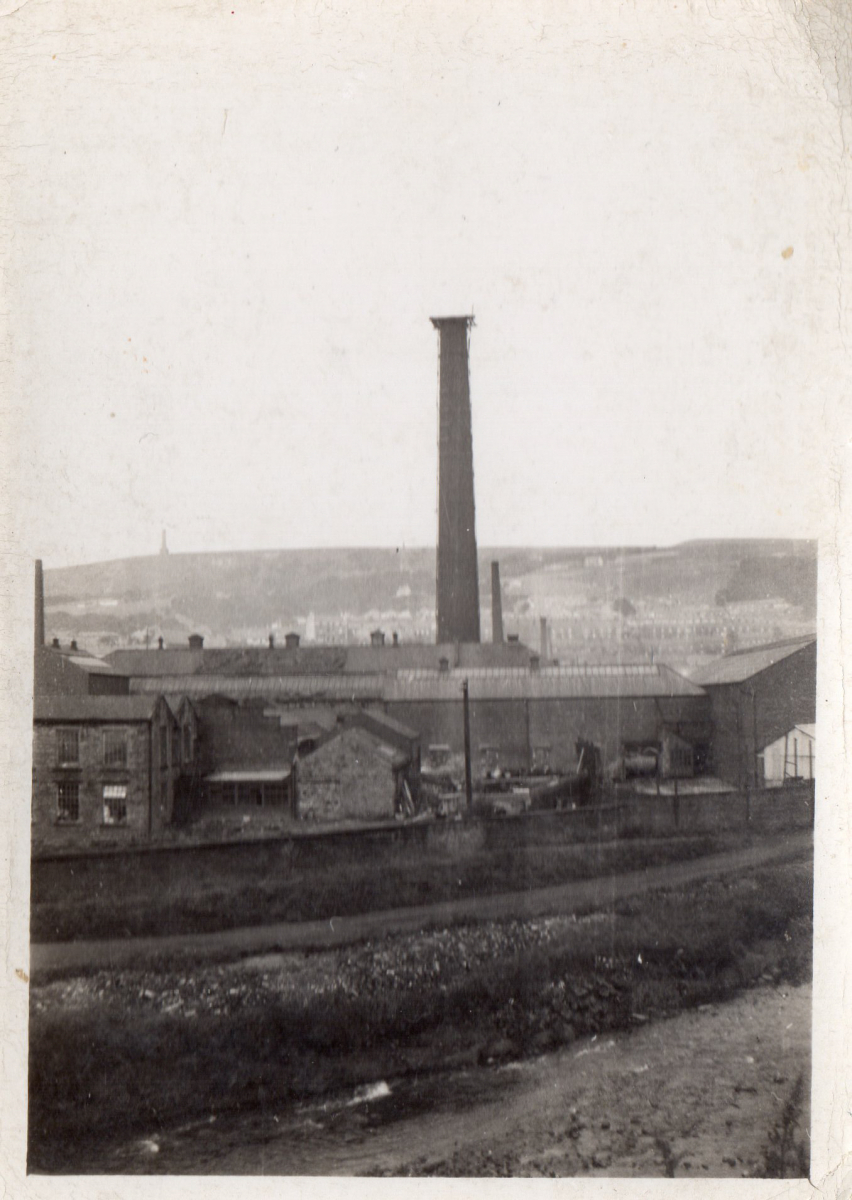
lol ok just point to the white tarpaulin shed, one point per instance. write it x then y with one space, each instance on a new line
792 756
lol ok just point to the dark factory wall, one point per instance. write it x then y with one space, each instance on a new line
519 734
748 716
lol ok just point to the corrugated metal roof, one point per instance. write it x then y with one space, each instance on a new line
742 664
557 683
278 775
94 708
335 688
503 683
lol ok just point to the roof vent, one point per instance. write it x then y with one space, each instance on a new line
196 641
291 641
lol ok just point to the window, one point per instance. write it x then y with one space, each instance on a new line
115 748
274 794
164 746
115 805
68 801
187 744
176 745
67 747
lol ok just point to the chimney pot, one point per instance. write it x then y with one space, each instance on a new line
56 643
377 637
73 643
196 641
291 641
159 643
396 639
272 641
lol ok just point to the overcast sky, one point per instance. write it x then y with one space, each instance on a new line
232 223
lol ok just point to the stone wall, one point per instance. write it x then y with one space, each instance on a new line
345 778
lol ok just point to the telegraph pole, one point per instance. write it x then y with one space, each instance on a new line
468 784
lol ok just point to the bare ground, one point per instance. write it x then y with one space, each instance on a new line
696 1095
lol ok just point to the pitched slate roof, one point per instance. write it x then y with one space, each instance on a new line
366 739
258 661
742 664
94 708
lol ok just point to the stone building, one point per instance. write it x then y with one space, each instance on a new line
105 770
357 774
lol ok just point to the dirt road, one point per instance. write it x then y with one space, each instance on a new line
578 897
696 1095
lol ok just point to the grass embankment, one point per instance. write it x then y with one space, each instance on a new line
103 1074
142 895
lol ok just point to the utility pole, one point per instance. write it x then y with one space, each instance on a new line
468 784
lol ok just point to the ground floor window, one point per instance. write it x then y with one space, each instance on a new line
68 801
274 794
115 804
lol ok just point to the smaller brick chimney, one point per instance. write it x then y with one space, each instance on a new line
291 641
377 637
196 641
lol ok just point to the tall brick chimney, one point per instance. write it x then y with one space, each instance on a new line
458 580
496 605
39 603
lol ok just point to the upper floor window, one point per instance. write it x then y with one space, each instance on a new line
67 747
115 747
164 745
187 744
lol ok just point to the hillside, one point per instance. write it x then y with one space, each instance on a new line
742 591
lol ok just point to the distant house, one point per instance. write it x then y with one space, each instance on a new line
757 696
105 769
359 772
790 757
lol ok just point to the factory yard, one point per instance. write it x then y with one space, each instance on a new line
662 1032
